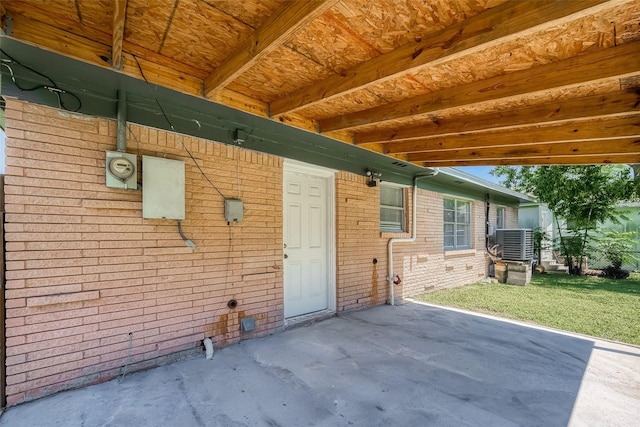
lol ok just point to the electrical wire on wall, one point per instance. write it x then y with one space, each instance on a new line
52 87
139 155
238 169
186 149
134 137
174 130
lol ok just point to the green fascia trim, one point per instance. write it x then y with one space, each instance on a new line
97 87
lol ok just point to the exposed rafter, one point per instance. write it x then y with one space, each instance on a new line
157 69
596 159
615 62
278 29
585 108
411 79
164 72
630 146
603 129
497 25
119 16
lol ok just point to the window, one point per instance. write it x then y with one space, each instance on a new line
392 209
457 224
500 217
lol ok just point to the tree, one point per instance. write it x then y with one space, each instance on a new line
617 249
584 196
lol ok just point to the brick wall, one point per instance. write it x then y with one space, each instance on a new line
90 282
84 270
423 265
361 283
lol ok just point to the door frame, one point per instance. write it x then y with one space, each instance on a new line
296 166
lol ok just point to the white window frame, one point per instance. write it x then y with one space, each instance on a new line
403 209
456 246
501 217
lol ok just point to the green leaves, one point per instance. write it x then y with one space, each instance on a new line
584 196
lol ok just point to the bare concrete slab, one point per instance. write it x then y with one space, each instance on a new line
410 365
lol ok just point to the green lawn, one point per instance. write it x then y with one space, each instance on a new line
588 305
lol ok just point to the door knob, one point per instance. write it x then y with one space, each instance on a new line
286 256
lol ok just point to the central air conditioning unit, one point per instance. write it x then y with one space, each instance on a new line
516 244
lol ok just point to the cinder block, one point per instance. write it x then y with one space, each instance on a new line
519 267
517 281
518 274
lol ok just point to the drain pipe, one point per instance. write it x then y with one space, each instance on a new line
121 116
392 277
208 345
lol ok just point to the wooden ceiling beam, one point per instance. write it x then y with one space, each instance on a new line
119 16
496 25
158 69
277 30
603 129
584 108
615 62
559 160
625 146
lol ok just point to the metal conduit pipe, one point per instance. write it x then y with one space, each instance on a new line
414 217
121 116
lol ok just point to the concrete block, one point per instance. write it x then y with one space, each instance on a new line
501 272
518 274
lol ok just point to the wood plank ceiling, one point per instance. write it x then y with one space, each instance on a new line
437 82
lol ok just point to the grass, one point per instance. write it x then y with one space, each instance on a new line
593 306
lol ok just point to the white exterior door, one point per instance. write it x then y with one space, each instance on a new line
307 240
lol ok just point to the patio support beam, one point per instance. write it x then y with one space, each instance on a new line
277 30
119 16
591 147
158 69
585 108
612 63
500 24
601 130
596 159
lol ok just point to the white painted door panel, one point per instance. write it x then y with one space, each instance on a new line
305 244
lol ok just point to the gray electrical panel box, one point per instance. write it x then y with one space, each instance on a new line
163 195
233 210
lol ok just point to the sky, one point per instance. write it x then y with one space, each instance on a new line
480 172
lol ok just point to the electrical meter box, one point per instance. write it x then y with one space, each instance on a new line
163 195
233 210
121 170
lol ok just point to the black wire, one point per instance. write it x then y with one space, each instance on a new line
27 67
52 87
134 137
226 277
226 280
174 130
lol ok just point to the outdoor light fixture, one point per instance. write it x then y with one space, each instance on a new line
374 177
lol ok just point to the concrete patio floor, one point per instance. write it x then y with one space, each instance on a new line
409 365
